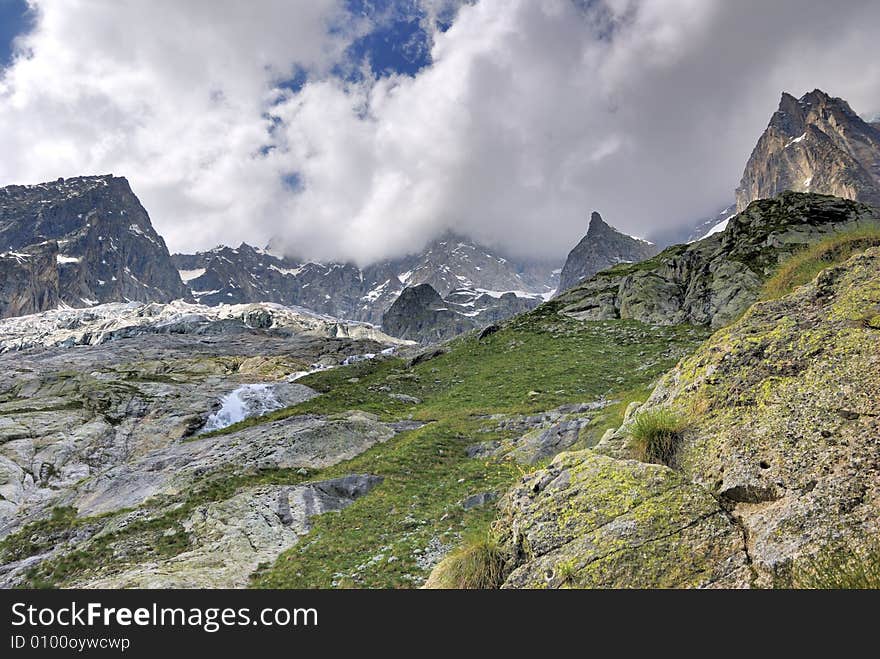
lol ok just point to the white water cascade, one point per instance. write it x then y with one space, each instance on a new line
246 401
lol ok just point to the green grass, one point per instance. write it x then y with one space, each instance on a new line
656 434
37 537
476 564
803 266
841 568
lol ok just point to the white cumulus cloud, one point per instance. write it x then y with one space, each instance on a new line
532 114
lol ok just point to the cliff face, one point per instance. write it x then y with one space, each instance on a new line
29 279
106 247
714 280
814 144
602 247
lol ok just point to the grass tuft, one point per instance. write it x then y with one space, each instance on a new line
803 266
656 434
476 565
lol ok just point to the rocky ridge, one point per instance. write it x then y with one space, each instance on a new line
451 263
714 280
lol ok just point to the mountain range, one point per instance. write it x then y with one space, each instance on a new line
87 240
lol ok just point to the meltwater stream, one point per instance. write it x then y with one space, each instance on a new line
246 401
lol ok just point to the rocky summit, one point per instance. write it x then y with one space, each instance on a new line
80 241
420 314
602 247
814 144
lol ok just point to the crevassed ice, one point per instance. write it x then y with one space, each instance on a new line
246 401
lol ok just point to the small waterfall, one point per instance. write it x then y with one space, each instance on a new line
246 401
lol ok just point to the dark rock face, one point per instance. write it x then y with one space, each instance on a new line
466 273
814 144
420 314
714 280
602 247
106 247
29 279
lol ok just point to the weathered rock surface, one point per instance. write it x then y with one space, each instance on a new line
602 247
112 428
231 538
590 521
106 249
814 144
714 280
786 433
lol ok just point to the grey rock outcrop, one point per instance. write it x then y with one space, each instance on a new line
602 247
231 538
787 436
814 144
420 314
714 280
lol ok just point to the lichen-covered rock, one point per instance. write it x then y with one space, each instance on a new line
230 538
714 280
784 411
596 522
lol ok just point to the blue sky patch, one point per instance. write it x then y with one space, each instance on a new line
15 19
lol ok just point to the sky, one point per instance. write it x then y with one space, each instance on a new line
360 129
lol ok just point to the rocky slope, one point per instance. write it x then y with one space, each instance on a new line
106 438
105 248
449 263
779 459
602 247
714 280
814 144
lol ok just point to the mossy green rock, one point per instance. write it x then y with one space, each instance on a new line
785 418
591 521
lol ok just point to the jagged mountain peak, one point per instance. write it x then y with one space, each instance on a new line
816 143
603 246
